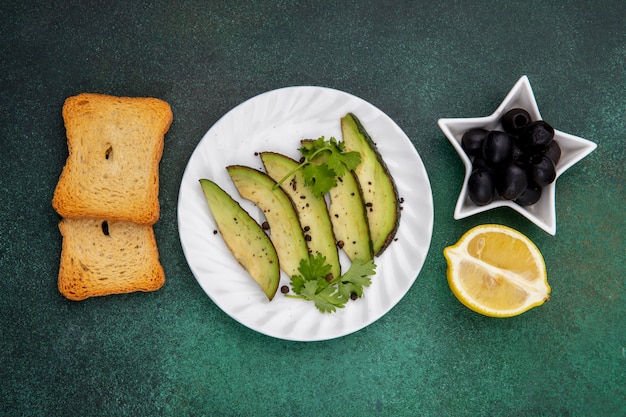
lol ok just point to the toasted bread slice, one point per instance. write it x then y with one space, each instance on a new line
102 257
115 146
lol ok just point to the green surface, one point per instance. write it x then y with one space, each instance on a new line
174 352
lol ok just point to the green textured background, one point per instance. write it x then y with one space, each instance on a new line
174 352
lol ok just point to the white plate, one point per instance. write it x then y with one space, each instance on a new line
277 121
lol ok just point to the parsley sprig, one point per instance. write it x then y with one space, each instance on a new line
322 162
330 293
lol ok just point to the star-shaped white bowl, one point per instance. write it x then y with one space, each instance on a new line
573 149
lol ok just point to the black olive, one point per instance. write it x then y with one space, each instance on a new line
479 163
480 187
511 181
472 141
497 148
536 136
553 151
542 170
519 156
515 121
530 196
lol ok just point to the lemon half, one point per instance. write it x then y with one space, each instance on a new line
497 271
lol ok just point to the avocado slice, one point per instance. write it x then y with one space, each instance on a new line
312 210
379 190
247 241
285 231
348 215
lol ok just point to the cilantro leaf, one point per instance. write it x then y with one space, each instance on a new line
347 289
341 161
297 283
359 272
309 290
350 159
322 162
319 177
329 295
328 300
314 267
313 148
357 277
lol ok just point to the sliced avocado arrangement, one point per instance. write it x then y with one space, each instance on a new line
244 237
284 225
311 208
349 216
379 190
357 214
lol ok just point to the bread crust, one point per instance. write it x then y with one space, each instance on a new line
121 257
115 146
